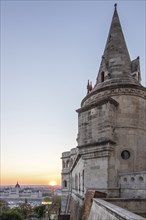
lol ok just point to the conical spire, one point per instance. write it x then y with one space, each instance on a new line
116 52
115 64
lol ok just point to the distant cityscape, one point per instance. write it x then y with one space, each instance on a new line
17 194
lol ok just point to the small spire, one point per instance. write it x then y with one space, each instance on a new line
115 5
17 185
89 87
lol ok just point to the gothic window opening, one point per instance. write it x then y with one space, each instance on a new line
71 162
63 164
76 181
79 181
83 180
67 163
65 184
138 76
102 76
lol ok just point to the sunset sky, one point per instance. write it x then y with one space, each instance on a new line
49 50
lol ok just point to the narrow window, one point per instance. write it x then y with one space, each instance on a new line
83 180
65 183
79 181
63 164
67 164
138 76
76 182
102 76
71 162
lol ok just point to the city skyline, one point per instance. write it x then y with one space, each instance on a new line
49 52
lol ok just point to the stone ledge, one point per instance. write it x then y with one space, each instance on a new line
102 142
109 209
98 103
110 91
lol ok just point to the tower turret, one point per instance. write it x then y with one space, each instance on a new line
111 120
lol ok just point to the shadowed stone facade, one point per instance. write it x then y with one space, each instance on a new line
111 152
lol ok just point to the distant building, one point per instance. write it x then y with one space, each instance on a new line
19 192
110 159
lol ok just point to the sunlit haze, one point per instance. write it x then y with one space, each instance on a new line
49 50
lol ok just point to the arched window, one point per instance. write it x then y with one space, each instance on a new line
71 162
83 180
63 164
79 181
65 183
76 181
138 76
102 76
67 163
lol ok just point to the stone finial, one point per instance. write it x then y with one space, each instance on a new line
89 87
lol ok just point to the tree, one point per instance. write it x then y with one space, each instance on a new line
47 200
3 205
11 215
54 208
56 200
26 209
40 210
18 210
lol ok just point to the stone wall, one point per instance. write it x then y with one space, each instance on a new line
130 138
76 206
133 185
95 124
104 210
137 206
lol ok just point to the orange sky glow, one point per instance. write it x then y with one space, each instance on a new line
24 179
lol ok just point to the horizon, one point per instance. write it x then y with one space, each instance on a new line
51 183
29 185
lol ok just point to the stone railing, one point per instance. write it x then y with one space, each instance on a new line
104 210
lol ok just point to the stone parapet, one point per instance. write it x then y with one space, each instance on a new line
133 185
113 91
65 154
104 210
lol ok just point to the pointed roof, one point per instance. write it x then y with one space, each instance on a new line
116 46
115 65
17 185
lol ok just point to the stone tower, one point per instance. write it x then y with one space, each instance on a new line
111 151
